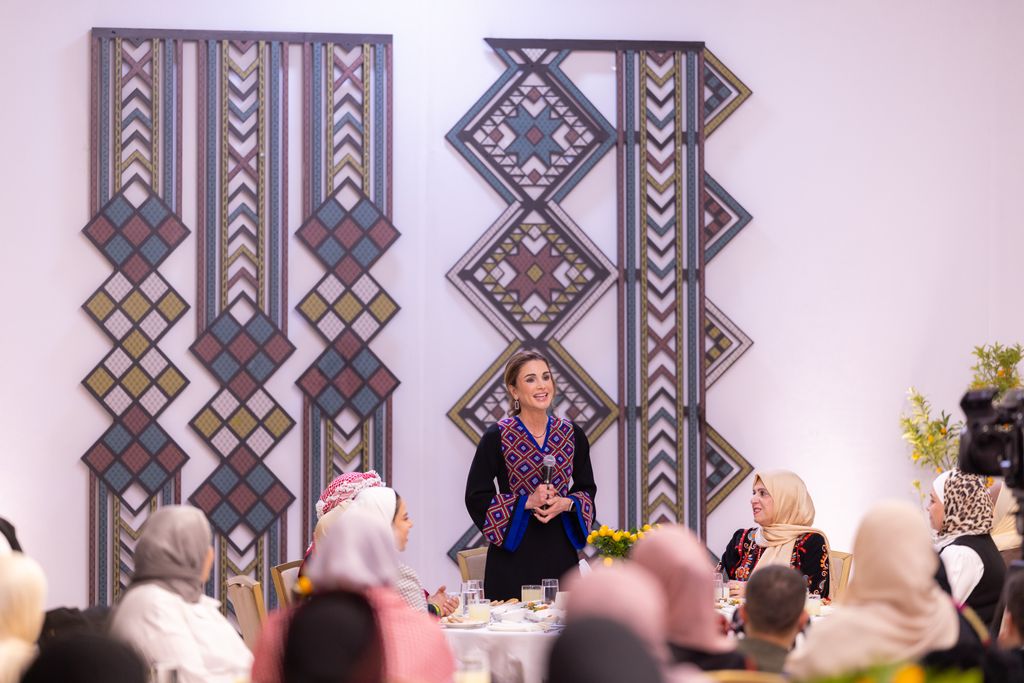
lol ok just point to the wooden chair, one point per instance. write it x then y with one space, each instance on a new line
841 564
740 676
246 597
472 563
284 576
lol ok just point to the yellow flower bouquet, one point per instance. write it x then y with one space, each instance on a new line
612 543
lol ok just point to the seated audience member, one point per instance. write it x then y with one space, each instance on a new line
358 554
338 496
22 596
572 658
390 508
164 614
773 614
893 610
1011 635
693 629
8 539
961 514
87 658
332 638
784 513
620 599
1004 523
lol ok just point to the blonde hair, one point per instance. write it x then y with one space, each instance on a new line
22 598
512 368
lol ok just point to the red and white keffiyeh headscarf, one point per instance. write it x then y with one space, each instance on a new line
344 488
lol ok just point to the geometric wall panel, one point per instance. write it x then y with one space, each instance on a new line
533 136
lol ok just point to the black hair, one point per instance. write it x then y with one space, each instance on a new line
775 598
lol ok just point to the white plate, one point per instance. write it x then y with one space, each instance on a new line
463 624
520 627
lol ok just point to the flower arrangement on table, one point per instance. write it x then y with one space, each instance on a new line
616 543
935 440
906 673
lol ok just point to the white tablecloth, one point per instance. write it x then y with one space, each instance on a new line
515 657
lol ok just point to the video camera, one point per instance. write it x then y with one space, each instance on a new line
992 441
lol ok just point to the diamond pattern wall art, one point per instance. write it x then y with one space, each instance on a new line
534 273
135 224
241 117
347 227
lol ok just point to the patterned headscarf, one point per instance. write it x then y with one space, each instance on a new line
967 507
344 488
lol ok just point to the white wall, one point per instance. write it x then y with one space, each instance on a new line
880 156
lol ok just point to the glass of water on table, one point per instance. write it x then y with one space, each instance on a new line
549 588
471 590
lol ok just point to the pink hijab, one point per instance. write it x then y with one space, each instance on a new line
680 563
630 596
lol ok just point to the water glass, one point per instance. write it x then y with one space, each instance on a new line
531 593
721 588
813 605
550 589
562 599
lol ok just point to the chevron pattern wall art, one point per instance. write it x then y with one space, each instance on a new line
241 308
534 273
135 207
347 204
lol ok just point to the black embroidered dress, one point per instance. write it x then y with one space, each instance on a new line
809 557
522 549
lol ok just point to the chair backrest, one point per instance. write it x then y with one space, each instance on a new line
472 563
740 676
841 563
246 597
285 576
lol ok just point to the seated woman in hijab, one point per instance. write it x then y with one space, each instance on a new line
784 513
22 596
692 627
164 614
960 510
335 499
618 609
391 509
358 555
893 610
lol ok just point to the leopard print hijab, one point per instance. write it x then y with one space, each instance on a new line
966 504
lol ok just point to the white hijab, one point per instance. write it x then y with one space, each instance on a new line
380 501
893 611
357 553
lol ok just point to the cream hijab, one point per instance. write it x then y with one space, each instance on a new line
1004 517
793 517
893 610
380 501
22 598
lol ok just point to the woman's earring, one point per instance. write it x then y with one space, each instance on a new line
515 404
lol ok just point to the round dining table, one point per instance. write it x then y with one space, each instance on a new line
514 656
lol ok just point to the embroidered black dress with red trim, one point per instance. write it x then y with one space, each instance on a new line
809 558
522 549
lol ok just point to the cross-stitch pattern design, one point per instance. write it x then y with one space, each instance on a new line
533 136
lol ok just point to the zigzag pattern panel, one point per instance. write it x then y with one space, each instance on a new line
241 316
533 136
347 204
534 273
135 224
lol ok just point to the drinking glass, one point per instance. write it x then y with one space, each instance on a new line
562 599
532 593
479 609
720 586
813 605
550 589
473 667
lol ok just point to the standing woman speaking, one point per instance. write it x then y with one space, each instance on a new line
539 517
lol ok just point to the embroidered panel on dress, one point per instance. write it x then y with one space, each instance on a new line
524 460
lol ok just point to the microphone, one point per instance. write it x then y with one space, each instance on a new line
547 468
